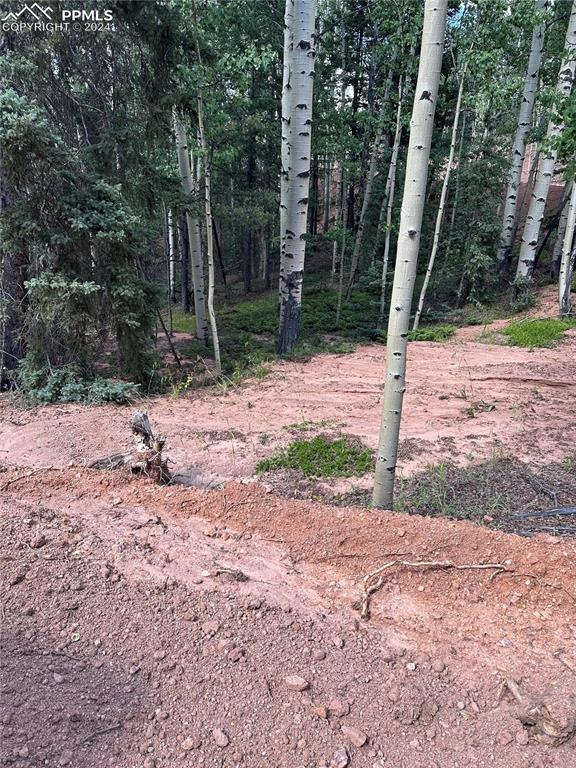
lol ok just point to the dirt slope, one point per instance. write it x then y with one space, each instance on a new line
164 613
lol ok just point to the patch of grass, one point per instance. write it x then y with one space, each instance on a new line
322 457
183 322
542 332
433 333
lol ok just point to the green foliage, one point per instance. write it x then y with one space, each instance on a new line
65 385
543 332
433 333
322 457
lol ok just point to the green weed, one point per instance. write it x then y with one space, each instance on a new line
542 332
437 333
322 457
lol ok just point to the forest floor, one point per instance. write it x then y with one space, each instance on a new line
165 626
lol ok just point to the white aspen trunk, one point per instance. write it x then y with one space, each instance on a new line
209 225
546 170
342 248
510 213
421 128
171 254
391 186
562 221
374 158
192 227
567 260
296 215
442 203
286 145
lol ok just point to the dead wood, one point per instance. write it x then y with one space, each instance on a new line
147 456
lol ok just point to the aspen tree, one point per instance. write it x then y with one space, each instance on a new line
421 127
510 213
545 171
300 83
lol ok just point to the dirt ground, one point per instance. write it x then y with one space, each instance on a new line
157 627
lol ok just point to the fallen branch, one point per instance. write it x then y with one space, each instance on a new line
373 581
101 732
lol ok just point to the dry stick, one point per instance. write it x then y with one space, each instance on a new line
172 347
23 477
101 732
370 588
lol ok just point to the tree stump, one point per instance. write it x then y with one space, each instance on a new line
146 457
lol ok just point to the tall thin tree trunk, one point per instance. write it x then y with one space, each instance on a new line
327 194
342 249
286 145
339 205
539 197
303 54
562 222
169 247
171 255
442 204
209 225
510 213
421 128
567 260
192 225
391 185
457 183
374 158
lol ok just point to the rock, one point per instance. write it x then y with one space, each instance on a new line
253 603
17 578
411 666
394 693
354 735
301 743
226 645
321 712
522 738
210 627
319 655
340 758
190 743
159 655
339 708
504 738
220 738
149 762
23 751
39 541
338 642
66 757
236 654
296 683
58 678
438 666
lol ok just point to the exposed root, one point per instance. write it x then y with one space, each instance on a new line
373 581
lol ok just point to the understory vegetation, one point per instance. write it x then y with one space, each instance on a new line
322 457
542 332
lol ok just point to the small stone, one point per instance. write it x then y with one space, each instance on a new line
522 738
226 645
253 603
23 751
66 757
17 578
161 714
339 708
58 678
438 666
39 541
301 743
149 762
340 758
220 738
296 683
190 743
394 693
236 654
319 655
354 735
159 655
411 666
321 712
210 627
504 738
338 642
